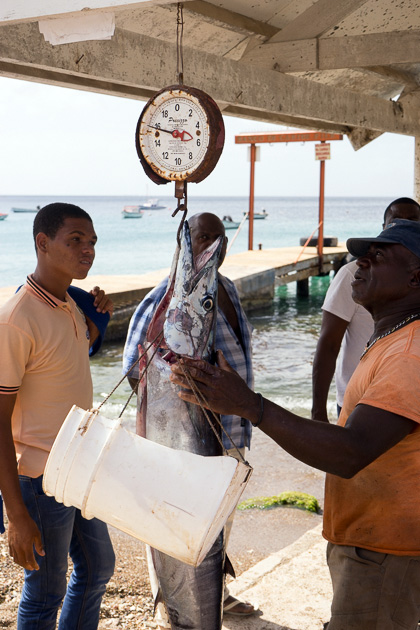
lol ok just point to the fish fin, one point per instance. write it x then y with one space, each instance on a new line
228 567
160 612
158 600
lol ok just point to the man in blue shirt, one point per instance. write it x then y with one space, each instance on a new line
233 337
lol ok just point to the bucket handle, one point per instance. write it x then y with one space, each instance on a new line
201 400
155 343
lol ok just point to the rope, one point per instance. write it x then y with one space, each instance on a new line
201 399
307 241
157 340
236 233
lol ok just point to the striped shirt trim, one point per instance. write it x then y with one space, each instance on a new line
9 390
44 295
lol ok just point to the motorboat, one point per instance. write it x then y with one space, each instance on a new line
132 212
152 204
258 215
229 223
3 215
26 209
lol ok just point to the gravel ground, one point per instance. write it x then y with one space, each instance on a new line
255 534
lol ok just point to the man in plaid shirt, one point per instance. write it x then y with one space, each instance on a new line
233 338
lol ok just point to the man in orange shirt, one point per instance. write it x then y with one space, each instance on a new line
372 457
44 341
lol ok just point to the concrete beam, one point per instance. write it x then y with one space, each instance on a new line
17 11
229 19
359 51
317 19
135 66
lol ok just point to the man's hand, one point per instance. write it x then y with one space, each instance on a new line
102 302
222 388
24 536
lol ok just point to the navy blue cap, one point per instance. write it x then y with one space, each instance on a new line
84 301
400 231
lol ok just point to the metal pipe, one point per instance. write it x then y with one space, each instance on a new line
321 212
252 154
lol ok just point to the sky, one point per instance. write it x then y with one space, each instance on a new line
61 141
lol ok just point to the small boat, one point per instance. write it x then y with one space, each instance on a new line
258 215
152 204
132 212
229 223
3 215
26 209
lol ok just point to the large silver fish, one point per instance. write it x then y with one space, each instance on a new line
186 315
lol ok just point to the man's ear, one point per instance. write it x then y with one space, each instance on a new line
41 241
415 278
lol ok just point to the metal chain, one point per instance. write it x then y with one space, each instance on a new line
179 43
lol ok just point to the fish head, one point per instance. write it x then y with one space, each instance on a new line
192 312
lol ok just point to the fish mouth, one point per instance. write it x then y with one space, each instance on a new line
170 357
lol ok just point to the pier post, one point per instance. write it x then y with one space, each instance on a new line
252 155
302 287
321 210
417 169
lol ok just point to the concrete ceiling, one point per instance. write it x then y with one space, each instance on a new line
350 66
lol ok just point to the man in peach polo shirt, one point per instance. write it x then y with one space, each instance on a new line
372 457
44 341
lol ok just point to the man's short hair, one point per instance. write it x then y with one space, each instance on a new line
51 218
401 200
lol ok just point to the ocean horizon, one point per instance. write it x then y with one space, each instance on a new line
135 246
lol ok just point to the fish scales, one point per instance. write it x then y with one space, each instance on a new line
193 596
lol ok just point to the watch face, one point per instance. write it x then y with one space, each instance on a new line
174 134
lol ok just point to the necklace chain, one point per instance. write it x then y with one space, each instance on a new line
393 329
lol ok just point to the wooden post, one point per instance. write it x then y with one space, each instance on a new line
252 154
321 211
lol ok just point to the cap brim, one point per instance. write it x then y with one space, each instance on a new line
360 246
84 301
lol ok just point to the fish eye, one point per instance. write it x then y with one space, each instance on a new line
207 303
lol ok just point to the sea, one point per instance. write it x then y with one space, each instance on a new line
285 334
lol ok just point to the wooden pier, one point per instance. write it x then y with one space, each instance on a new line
255 273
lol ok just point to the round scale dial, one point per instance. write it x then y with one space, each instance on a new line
179 135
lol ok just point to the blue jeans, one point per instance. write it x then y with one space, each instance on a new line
64 531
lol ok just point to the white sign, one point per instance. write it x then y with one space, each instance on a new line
323 151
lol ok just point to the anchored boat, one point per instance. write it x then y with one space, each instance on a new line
258 215
132 212
152 204
26 209
229 223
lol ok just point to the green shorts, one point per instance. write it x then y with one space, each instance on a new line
373 591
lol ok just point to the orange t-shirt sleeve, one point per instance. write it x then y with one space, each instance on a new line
15 351
395 386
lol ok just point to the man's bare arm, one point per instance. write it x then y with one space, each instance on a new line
333 329
23 533
342 451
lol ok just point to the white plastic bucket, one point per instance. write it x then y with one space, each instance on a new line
175 501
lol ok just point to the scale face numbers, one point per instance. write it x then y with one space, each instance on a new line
179 135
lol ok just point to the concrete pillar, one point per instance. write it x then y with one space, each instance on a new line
417 169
